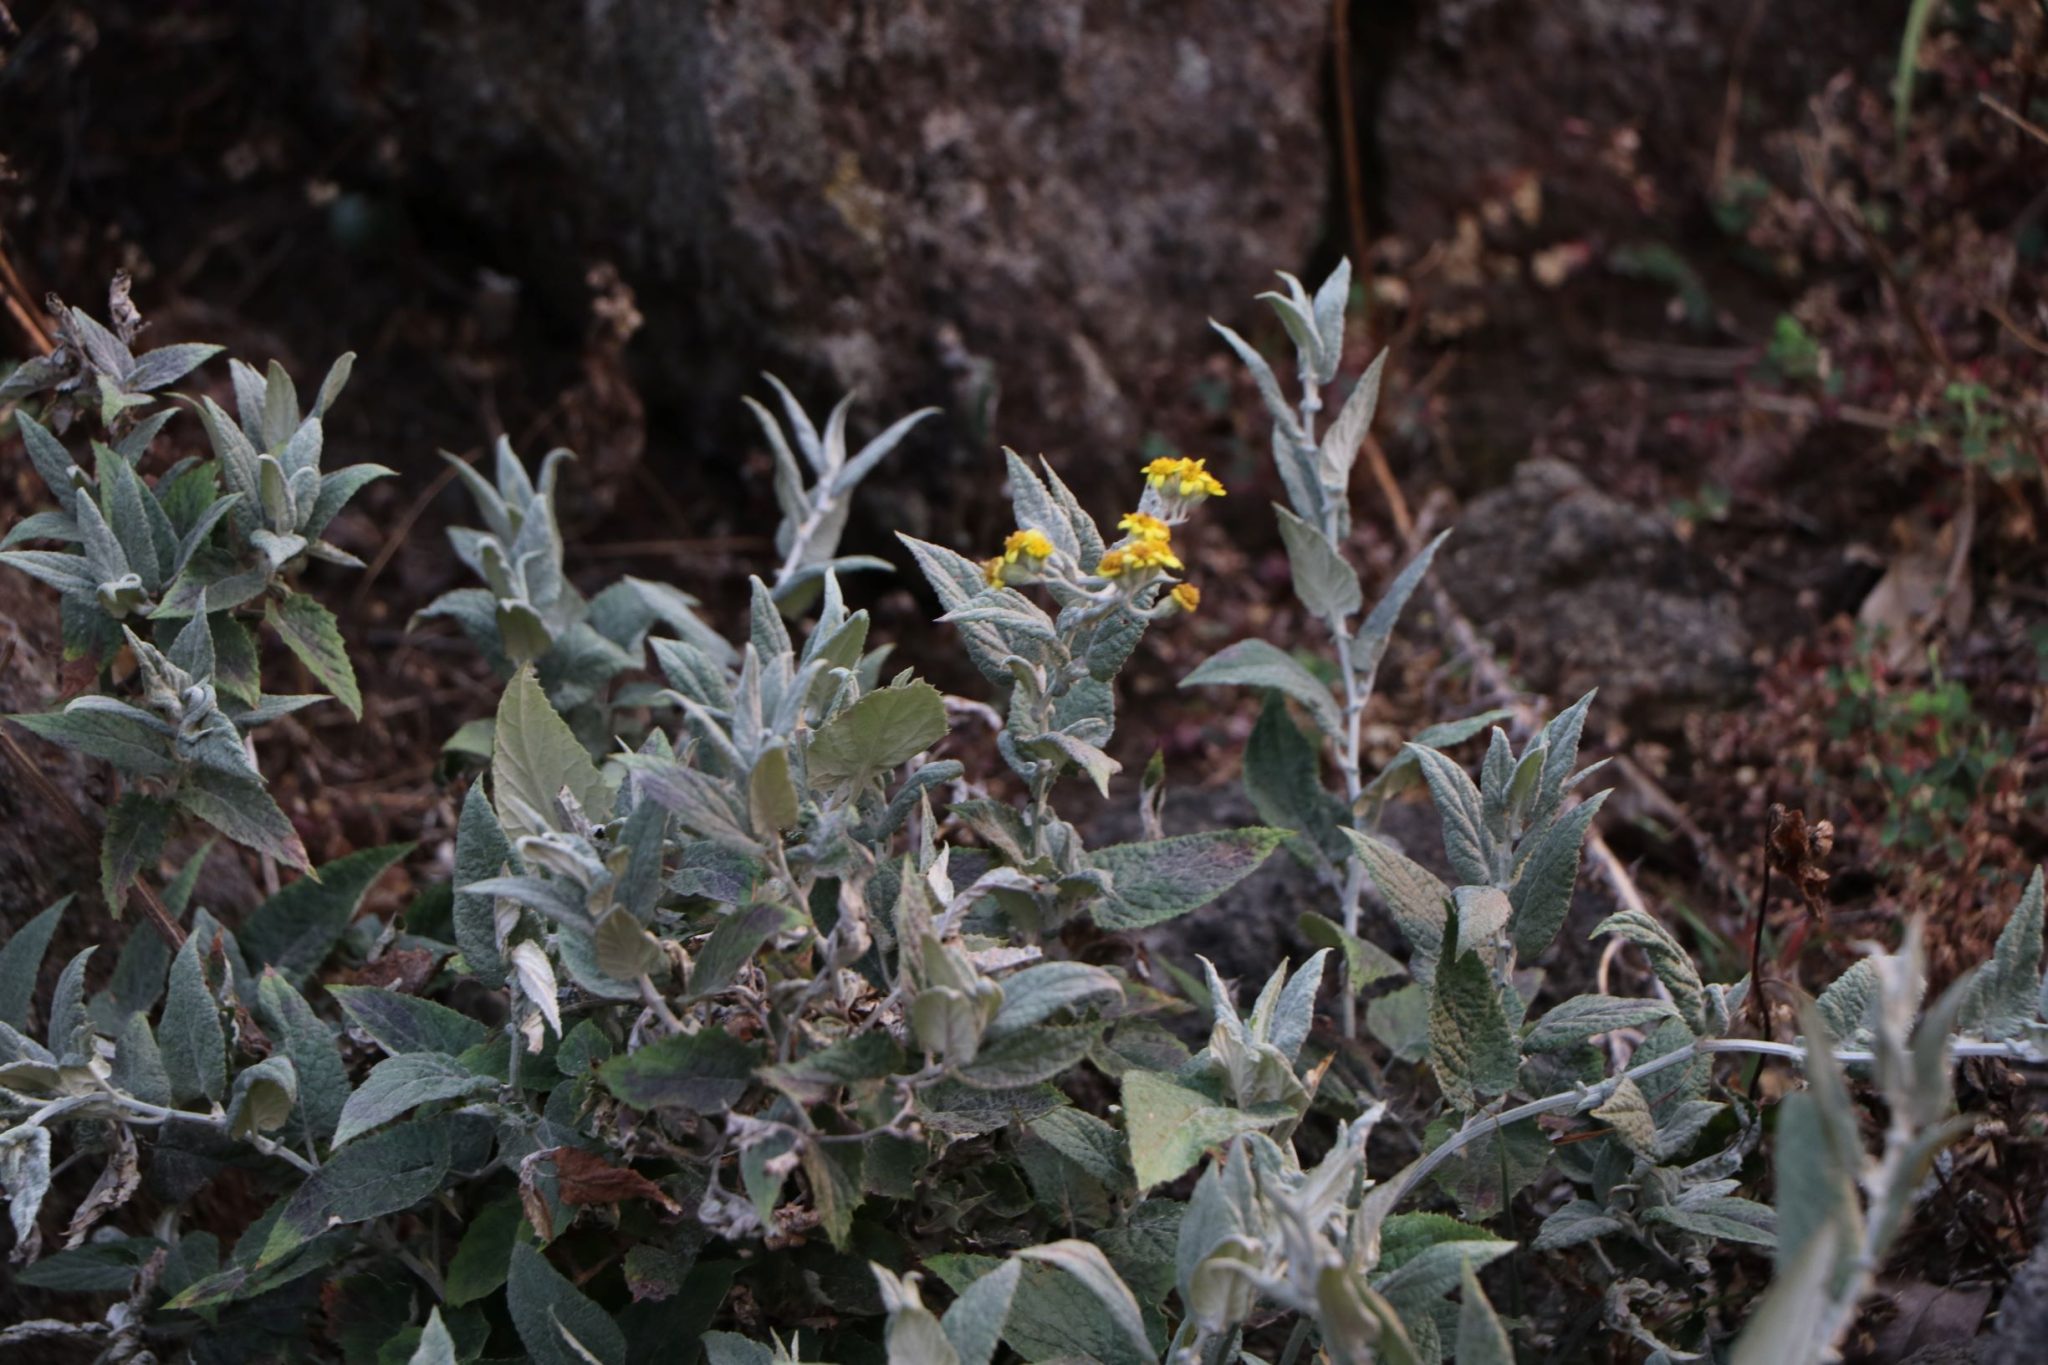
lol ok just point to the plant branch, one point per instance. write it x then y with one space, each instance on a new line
1592 1097
1346 745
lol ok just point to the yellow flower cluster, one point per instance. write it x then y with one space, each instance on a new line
1174 485
1138 556
1144 527
1183 477
1029 549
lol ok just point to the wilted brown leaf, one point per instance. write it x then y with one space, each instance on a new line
1798 849
589 1179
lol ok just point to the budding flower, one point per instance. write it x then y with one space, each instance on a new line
1025 551
1187 597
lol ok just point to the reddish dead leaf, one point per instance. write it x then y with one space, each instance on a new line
589 1179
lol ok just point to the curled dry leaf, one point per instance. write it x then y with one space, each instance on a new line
1798 849
119 1179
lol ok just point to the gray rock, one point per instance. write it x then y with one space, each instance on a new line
1958 1353
1579 589
1041 199
2023 1316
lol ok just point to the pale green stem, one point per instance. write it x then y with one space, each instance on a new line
1345 747
653 1000
141 1111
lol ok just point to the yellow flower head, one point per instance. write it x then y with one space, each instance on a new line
992 571
1184 477
1031 545
1143 526
1187 597
1136 557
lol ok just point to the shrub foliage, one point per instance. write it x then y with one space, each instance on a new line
751 1028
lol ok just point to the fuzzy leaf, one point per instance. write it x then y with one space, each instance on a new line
702 1073
1580 1018
2003 996
1166 878
1282 779
535 757
835 1176
398 1085
1028 1056
190 1036
21 961
245 812
1170 1126
313 634
1627 1112
436 1346
1090 1143
1466 844
69 1036
1254 663
975 1322
167 365
1036 993
50 459
1542 893
1346 433
1481 1338
1846 1003
771 795
481 852
139 1063
556 1323
1369 646
1326 584
263 1097
876 734
1789 1323
295 930
305 1038
385 1173
1673 965
1579 1221
25 1175
1725 1219
1086 1263
405 1023
1364 961
1471 1047
736 939
132 743
1418 900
